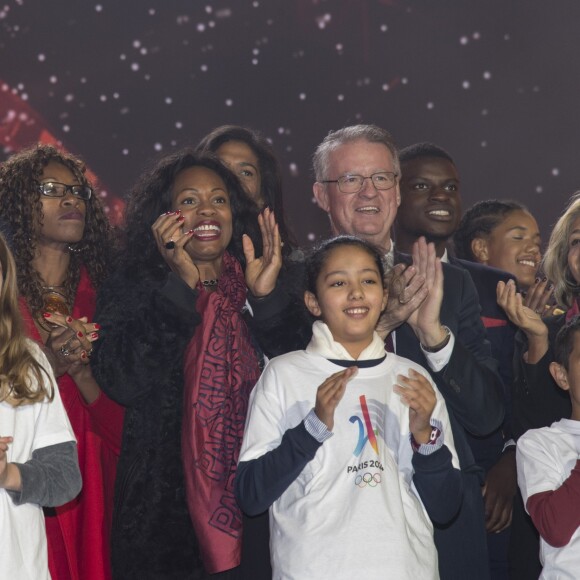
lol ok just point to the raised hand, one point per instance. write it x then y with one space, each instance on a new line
406 292
425 320
417 393
4 443
329 394
171 239
527 320
538 296
262 273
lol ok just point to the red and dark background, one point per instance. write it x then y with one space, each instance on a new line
120 82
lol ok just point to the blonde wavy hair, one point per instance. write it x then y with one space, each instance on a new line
555 262
22 377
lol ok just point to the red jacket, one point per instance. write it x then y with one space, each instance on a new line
79 532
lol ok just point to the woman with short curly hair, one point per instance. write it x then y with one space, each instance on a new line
61 241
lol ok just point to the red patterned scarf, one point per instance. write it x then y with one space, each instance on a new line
220 368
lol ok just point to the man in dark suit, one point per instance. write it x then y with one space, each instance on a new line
431 207
433 310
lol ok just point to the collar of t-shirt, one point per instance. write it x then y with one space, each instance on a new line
323 344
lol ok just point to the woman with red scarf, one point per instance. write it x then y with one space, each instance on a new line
176 351
60 238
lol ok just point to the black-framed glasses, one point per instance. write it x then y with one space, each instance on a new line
56 189
354 183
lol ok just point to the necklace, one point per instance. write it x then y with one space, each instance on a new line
212 282
54 302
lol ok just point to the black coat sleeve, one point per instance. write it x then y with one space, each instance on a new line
145 327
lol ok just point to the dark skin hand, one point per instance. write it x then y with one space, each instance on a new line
499 492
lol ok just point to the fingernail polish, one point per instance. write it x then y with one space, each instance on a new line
97 326
46 314
69 319
180 218
80 334
95 335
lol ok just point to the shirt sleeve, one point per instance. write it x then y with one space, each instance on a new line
548 491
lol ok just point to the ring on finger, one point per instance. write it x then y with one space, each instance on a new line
170 245
64 350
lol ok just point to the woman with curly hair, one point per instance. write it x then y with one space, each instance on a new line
249 155
176 351
61 242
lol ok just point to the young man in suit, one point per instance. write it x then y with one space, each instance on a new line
430 191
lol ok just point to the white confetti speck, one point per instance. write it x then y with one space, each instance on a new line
143 51
311 237
539 189
254 61
555 172
229 102
157 146
125 151
476 36
203 68
200 27
385 87
116 95
340 97
463 40
68 98
168 100
430 105
134 66
465 84
302 96
98 8
484 112
52 79
123 57
484 143
136 43
178 124
486 75
293 169
103 98
256 51
208 9
255 4
339 47
384 28
41 57
66 128
404 80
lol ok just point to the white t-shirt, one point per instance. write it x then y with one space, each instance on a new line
545 458
352 512
23 552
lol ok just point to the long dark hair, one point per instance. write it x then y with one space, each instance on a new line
21 210
270 173
152 197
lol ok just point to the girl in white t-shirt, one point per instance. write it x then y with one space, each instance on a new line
38 459
344 442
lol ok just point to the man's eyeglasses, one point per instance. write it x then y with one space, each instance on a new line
354 183
55 189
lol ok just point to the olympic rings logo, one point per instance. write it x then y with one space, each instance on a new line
370 479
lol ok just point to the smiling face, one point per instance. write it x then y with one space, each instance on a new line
430 201
513 246
204 202
349 297
63 220
370 213
242 161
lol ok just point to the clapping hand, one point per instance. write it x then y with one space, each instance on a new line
417 393
406 292
329 394
262 273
